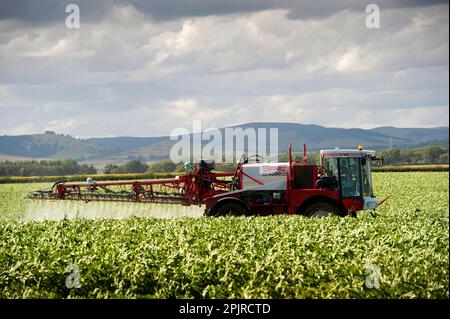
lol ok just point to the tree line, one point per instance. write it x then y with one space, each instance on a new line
392 156
161 166
423 155
45 168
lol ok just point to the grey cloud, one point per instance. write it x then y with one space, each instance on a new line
51 11
317 9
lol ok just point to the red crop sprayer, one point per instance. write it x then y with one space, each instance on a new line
340 185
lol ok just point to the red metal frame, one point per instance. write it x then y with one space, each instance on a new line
192 188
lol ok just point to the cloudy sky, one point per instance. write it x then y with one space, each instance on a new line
143 68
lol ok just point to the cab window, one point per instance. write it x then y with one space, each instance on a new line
350 176
331 166
367 177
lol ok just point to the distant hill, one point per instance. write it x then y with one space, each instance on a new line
415 135
125 143
122 149
53 146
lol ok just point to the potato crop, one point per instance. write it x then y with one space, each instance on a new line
107 250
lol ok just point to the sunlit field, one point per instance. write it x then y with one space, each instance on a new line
160 251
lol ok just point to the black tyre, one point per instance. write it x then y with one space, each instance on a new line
322 209
231 209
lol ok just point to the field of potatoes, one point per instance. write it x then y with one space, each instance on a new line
104 250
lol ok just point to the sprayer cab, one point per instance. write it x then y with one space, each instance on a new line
351 169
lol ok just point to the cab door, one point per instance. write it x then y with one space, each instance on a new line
350 177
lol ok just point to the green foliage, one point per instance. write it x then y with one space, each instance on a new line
256 257
132 167
135 167
111 169
164 166
44 168
411 168
424 155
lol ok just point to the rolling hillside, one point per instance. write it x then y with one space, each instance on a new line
122 149
51 146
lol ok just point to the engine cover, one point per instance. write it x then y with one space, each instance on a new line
265 176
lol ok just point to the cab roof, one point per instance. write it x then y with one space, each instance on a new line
338 152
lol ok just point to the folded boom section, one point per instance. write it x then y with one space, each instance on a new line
185 190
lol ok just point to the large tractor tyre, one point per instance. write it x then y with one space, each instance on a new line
231 209
322 209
